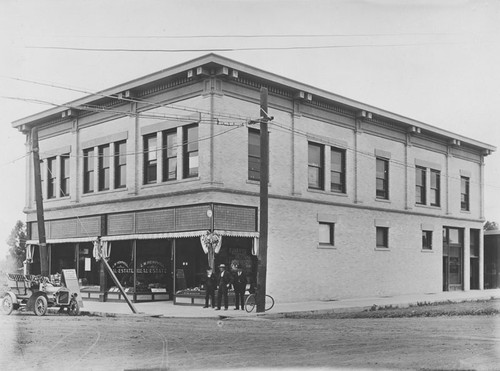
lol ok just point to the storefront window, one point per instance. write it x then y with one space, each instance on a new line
153 266
62 256
121 261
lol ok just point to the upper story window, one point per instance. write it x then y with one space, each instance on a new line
104 167
464 193
120 160
88 170
315 166
435 191
51 177
170 155
190 151
64 175
420 185
150 158
382 178
253 154
337 170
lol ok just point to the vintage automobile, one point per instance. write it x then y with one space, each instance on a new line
37 293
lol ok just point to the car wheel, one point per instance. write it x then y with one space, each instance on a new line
40 306
7 305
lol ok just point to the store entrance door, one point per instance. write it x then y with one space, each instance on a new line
453 248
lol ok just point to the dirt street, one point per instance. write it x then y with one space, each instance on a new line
60 342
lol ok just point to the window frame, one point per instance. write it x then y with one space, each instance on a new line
385 237
436 190
427 240
384 179
88 170
319 168
253 156
190 146
51 177
169 153
104 167
120 162
150 162
340 187
464 196
331 233
65 172
422 187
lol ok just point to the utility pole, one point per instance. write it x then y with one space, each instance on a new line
40 220
264 195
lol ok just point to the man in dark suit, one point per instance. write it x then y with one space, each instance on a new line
210 283
224 282
240 285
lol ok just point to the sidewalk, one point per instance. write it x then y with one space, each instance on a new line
168 309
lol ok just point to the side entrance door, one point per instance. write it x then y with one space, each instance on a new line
453 257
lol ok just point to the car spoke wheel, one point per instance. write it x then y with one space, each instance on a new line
40 306
73 308
7 305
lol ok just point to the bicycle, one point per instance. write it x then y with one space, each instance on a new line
250 303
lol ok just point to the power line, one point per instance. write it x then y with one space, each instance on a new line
242 49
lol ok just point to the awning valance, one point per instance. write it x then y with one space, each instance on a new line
64 240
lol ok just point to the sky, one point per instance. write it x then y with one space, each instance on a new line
433 61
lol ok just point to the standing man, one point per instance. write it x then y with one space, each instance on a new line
240 286
224 284
210 282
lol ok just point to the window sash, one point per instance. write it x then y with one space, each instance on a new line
382 237
326 234
420 185
382 178
190 149
337 170
104 167
150 158
427 240
65 174
315 166
464 193
88 170
435 188
170 155
51 177
120 164
253 154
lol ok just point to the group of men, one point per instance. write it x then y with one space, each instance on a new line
223 282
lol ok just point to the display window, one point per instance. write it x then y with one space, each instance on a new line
121 261
62 256
153 266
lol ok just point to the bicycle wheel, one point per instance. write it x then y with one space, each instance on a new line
269 302
250 303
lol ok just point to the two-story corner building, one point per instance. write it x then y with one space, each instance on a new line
362 201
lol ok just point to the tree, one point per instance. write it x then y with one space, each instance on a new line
490 226
17 243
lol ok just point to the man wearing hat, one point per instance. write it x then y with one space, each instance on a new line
240 285
224 282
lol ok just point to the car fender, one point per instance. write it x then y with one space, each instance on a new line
30 305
